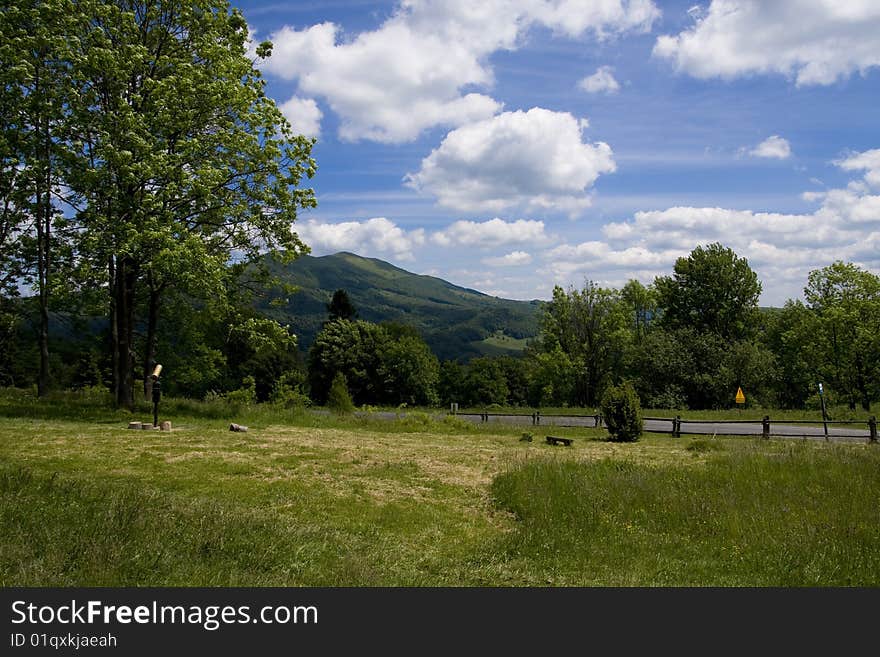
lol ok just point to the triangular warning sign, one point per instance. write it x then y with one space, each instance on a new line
740 397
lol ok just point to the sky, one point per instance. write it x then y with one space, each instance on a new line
513 145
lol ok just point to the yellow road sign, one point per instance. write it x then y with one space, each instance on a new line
740 397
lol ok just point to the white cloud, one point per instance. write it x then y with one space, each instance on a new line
410 74
377 236
534 160
781 248
304 115
493 233
773 147
512 259
813 41
602 81
869 161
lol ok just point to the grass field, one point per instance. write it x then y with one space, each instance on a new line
339 501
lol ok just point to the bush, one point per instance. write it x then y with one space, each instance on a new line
339 399
246 395
622 413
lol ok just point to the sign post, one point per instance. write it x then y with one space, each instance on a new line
157 394
824 413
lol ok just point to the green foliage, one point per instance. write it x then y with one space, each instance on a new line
341 307
551 378
289 391
684 368
713 290
409 372
246 395
338 397
622 413
590 327
844 334
379 367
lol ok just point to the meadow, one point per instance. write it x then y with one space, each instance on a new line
303 499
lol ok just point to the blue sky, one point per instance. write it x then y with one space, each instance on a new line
512 145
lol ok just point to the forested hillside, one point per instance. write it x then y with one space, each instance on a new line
456 323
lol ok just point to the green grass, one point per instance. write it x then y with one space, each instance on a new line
311 500
793 516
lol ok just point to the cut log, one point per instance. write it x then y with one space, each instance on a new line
134 425
237 427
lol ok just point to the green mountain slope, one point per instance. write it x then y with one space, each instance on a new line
456 322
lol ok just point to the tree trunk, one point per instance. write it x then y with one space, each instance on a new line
126 275
44 230
150 348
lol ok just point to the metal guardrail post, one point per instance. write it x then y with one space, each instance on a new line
765 427
676 426
537 417
872 428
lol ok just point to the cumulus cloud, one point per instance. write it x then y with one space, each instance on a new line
493 233
410 74
869 161
772 147
376 236
816 42
782 248
513 259
535 160
602 81
304 115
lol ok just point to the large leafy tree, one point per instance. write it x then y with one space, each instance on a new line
590 326
34 70
712 290
181 158
846 334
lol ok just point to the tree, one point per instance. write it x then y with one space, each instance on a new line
551 378
712 290
352 348
34 58
484 383
338 398
180 156
846 303
409 372
790 337
622 413
590 327
341 307
641 303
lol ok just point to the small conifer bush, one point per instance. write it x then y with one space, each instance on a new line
339 399
622 413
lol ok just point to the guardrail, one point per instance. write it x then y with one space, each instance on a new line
678 426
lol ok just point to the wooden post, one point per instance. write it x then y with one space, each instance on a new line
765 427
872 427
538 417
676 426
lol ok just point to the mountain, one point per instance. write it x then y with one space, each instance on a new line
456 322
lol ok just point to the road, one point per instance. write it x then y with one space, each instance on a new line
845 433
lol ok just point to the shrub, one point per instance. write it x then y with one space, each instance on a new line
622 413
288 392
246 395
339 399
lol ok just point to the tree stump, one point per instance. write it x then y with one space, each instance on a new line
134 425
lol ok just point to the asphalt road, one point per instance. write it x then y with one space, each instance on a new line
845 432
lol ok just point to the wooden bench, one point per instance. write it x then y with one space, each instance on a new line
556 440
